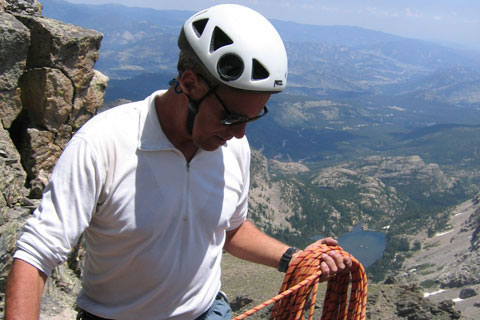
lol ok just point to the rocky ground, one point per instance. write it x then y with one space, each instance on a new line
448 265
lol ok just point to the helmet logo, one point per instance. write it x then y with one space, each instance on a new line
278 83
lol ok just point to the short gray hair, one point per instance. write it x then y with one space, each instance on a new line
188 59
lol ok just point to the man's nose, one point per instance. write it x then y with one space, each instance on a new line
238 130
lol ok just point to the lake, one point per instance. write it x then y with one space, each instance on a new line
365 245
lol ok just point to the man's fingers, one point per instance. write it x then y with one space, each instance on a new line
330 262
338 258
329 241
348 262
325 271
325 241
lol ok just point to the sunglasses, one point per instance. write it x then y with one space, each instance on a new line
232 118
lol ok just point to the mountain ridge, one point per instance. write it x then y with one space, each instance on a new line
112 19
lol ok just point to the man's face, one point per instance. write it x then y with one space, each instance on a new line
208 131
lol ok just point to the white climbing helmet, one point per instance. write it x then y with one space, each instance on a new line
239 47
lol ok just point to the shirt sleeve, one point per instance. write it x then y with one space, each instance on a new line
65 210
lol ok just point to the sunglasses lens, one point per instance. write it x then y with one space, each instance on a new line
234 119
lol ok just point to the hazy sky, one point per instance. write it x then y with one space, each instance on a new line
447 21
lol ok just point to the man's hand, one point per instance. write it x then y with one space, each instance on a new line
332 263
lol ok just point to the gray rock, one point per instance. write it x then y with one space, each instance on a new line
10 106
72 49
48 89
47 95
12 175
468 293
390 280
475 223
39 158
28 7
406 167
467 274
59 92
87 102
476 199
15 38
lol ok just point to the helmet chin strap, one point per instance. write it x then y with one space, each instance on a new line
192 104
192 113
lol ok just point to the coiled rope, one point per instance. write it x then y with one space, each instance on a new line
300 287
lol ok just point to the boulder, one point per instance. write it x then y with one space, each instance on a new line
39 157
10 106
28 7
72 49
15 38
12 175
53 114
467 293
88 102
47 96
59 92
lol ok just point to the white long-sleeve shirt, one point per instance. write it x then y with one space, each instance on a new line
154 224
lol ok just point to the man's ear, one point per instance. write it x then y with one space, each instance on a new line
191 84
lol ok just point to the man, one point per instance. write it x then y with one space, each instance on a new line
159 187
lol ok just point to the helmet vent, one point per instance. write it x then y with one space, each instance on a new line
258 71
230 67
219 39
199 26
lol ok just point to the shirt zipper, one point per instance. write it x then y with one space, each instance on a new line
187 193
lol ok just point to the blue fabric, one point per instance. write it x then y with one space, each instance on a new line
220 310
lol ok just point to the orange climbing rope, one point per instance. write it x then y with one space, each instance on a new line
300 287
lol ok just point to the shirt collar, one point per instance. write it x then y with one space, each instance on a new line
150 134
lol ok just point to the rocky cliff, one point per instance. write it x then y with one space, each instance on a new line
48 89
448 264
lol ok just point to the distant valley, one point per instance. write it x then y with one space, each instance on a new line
373 128
352 92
